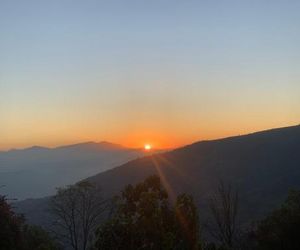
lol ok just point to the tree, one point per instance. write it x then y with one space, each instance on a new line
78 209
38 239
144 219
187 216
11 236
280 230
223 205
16 235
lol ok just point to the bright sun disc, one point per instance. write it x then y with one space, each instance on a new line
147 147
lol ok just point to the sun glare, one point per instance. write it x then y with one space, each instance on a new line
147 147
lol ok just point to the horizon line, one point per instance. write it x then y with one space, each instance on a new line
121 145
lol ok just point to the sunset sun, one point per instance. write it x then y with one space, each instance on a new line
164 125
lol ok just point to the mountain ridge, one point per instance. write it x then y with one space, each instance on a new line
36 171
84 143
262 165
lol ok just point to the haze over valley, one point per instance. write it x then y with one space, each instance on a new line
150 125
264 166
37 171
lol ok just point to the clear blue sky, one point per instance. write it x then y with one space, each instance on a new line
164 72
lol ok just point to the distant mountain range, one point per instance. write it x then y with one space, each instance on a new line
36 171
263 166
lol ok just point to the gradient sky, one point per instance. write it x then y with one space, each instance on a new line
135 72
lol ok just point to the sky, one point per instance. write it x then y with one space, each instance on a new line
162 72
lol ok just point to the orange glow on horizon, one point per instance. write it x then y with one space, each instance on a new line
157 138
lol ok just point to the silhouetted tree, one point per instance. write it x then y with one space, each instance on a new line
38 239
187 217
11 224
78 209
281 229
223 205
16 235
145 220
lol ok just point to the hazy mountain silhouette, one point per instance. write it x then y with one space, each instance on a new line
262 165
37 171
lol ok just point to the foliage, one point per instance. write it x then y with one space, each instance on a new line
38 239
144 219
280 230
187 222
78 209
11 236
16 235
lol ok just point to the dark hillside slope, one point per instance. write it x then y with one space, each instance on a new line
263 165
